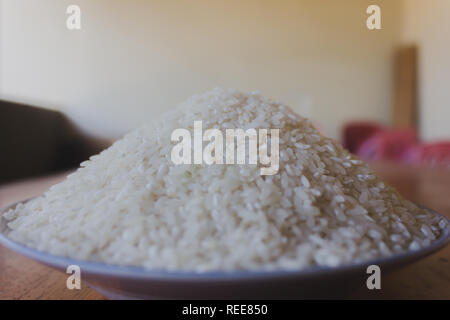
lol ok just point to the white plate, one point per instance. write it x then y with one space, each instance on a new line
120 282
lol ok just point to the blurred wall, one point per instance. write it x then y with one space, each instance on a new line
133 59
427 23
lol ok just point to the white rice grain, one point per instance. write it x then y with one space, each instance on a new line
130 205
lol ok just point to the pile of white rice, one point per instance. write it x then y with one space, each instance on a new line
130 205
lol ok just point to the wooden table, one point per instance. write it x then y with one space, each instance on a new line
22 278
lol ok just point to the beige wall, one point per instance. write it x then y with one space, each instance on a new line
427 23
133 59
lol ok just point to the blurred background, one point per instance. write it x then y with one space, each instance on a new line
66 94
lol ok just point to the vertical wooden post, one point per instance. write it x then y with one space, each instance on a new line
405 88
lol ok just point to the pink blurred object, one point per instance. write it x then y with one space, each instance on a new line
355 133
432 154
388 144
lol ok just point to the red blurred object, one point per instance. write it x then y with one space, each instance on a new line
356 133
432 154
371 141
388 144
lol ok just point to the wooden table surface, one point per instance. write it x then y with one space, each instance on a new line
22 278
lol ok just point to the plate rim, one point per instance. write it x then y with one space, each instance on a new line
141 273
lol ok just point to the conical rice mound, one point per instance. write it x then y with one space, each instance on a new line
130 205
